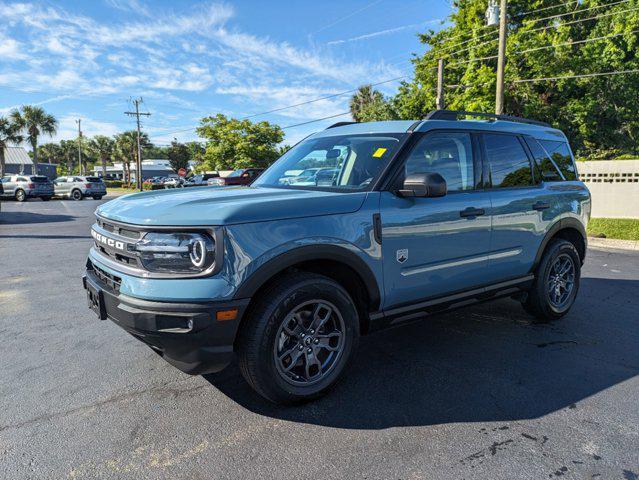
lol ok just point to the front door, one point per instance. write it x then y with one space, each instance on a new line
436 246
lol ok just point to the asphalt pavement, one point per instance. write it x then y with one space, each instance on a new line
478 393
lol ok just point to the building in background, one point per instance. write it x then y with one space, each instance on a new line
18 161
154 167
614 186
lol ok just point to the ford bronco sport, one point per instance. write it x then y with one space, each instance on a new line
412 218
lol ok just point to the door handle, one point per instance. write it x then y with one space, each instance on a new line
472 212
541 206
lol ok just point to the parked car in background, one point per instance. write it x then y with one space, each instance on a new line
239 177
306 177
76 187
173 182
23 187
414 218
200 180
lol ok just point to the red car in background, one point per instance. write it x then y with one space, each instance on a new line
239 177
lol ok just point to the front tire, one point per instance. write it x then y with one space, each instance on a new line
300 337
21 196
76 195
556 282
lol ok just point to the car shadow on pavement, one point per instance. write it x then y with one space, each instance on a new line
485 363
22 218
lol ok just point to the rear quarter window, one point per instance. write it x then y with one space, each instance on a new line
509 163
560 154
545 169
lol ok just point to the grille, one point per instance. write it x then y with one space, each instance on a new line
111 281
110 227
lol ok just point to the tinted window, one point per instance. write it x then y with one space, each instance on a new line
448 153
560 154
94 179
509 164
355 160
39 179
544 168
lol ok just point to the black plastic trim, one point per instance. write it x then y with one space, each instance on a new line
561 224
309 253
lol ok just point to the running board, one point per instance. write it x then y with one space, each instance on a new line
394 316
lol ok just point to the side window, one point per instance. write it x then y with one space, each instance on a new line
509 163
544 166
560 154
448 153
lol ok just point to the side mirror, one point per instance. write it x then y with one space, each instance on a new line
423 185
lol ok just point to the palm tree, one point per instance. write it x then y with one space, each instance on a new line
51 152
9 133
126 149
364 96
101 147
68 151
35 121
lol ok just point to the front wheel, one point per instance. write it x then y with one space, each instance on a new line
76 195
21 196
299 339
556 282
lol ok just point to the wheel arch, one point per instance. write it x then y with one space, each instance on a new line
569 229
336 262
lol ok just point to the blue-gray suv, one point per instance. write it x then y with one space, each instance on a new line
406 219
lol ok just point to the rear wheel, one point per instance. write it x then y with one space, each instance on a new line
21 196
76 195
299 339
556 282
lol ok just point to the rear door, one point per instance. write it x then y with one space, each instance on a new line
518 205
436 246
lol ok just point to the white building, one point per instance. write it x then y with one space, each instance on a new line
154 167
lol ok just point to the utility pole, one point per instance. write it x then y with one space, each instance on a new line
501 58
439 102
79 122
138 165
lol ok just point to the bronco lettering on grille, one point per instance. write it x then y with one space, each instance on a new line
109 242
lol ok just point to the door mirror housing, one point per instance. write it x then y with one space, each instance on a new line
423 185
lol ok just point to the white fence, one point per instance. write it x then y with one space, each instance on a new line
614 186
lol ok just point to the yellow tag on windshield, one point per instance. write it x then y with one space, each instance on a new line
379 152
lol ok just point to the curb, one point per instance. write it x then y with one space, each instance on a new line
613 243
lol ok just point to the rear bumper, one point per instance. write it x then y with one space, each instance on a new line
187 335
48 192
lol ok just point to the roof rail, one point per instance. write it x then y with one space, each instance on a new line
340 124
455 114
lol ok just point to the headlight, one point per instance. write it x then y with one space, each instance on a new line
176 252
216 181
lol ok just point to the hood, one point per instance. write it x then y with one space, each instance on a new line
226 206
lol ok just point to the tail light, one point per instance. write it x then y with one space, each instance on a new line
30 185
87 185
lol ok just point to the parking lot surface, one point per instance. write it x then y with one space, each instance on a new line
478 393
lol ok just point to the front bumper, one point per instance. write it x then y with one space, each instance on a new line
187 335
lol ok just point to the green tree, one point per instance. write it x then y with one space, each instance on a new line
35 121
101 147
156 151
233 143
126 149
196 153
179 156
69 152
369 105
50 152
9 134
599 114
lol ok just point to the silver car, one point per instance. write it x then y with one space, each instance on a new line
77 188
23 187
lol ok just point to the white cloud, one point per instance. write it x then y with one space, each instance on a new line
68 128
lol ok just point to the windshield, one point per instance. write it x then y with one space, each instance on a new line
349 162
93 179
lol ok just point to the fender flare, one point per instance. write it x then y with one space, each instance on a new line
564 223
278 264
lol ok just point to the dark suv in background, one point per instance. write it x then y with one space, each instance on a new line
243 176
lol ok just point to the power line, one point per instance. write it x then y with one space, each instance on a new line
575 12
585 75
546 8
604 15
316 120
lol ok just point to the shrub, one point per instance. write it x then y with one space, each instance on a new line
113 183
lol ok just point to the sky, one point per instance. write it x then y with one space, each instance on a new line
189 59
